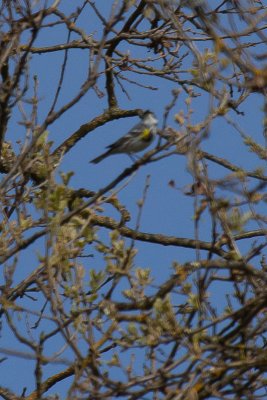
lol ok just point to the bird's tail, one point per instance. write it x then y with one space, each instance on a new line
101 157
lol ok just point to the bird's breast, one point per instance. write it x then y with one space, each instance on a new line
146 135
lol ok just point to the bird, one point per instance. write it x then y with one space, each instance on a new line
137 139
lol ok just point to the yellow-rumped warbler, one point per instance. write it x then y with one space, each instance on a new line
137 139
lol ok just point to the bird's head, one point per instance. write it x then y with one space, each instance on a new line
149 117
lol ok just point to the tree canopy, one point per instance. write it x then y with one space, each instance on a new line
93 305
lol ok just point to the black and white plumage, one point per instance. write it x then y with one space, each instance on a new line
137 139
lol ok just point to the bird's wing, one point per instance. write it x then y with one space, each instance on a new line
135 131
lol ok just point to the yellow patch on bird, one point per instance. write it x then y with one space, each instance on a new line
146 134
